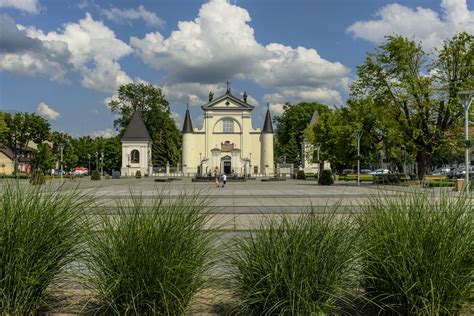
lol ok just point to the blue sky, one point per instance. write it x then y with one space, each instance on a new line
65 59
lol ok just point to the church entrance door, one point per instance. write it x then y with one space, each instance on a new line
227 167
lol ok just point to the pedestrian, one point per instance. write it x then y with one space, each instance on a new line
216 176
224 179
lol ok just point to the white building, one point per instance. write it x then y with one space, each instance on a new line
310 159
227 139
136 148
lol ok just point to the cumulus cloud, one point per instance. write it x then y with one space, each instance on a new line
190 92
219 45
88 46
47 112
422 24
24 55
127 15
30 6
106 133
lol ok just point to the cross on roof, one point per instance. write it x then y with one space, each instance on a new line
228 86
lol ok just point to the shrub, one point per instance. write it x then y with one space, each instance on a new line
150 260
419 253
138 174
325 178
435 184
41 233
300 175
95 175
38 178
294 267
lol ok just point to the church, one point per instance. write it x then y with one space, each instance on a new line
227 140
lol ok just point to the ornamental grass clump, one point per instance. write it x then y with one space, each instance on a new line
152 256
295 267
418 256
41 233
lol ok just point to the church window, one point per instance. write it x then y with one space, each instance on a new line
228 126
135 156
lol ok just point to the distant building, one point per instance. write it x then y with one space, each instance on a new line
23 161
136 148
309 160
227 139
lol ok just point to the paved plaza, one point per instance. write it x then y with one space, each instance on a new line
243 205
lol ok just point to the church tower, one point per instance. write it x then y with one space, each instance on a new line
187 142
267 145
136 148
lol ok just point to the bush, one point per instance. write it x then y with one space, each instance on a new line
325 178
138 174
95 175
150 260
419 253
38 178
300 175
41 233
438 184
294 267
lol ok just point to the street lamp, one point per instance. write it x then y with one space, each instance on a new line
359 136
102 162
318 147
466 97
200 164
97 161
250 163
89 171
61 147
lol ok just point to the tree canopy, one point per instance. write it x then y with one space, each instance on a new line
156 114
290 126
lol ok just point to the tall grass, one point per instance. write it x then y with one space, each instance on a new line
151 259
41 232
418 254
294 267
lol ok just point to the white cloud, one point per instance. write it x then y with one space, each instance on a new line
219 45
106 133
193 93
422 24
177 119
26 56
126 15
47 112
30 6
88 46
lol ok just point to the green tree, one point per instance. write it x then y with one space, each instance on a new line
23 128
290 126
156 114
43 159
3 127
419 92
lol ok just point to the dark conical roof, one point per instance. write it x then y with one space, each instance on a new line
187 125
136 129
267 126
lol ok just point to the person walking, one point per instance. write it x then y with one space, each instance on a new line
224 179
216 176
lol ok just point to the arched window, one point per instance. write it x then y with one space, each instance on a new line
135 156
228 126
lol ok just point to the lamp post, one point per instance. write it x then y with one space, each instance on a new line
250 163
97 161
318 147
102 163
359 136
200 164
466 97
89 171
61 147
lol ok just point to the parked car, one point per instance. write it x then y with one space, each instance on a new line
365 171
380 171
348 171
440 171
79 171
460 172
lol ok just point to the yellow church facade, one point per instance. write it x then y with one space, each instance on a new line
227 140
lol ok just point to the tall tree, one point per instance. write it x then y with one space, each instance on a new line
419 91
43 159
156 114
23 128
290 126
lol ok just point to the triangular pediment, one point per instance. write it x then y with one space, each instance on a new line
227 102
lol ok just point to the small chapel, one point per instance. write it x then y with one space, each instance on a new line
227 140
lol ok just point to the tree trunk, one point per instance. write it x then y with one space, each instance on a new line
423 163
